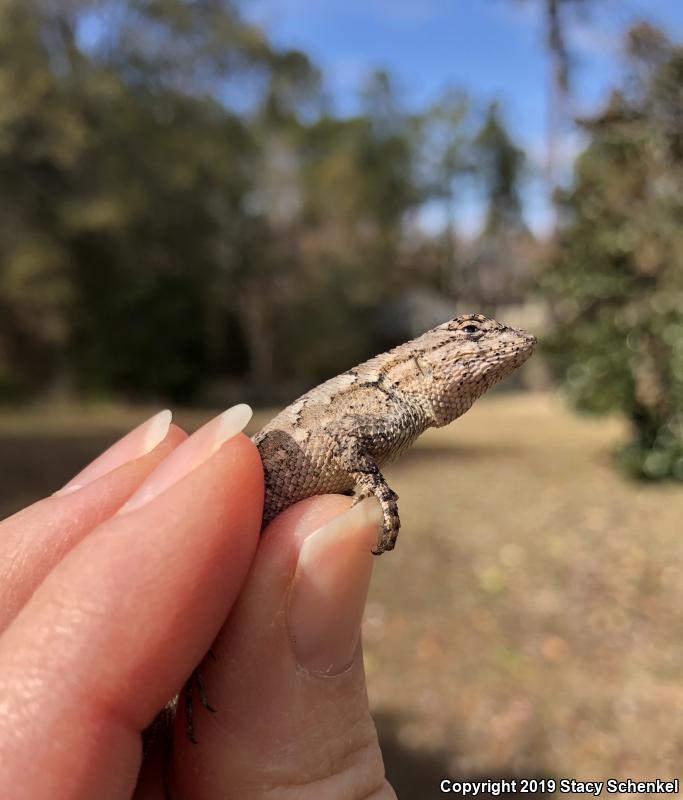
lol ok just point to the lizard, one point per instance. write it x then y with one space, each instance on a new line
336 437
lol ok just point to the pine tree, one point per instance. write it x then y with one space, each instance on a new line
616 282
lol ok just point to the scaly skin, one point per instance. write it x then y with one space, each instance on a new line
336 437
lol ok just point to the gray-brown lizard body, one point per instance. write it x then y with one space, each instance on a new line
336 437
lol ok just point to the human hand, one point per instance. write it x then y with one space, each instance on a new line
113 589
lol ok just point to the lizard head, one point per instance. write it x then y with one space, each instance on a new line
468 355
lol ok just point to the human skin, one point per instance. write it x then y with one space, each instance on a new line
114 588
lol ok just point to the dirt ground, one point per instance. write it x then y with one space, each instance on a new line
530 621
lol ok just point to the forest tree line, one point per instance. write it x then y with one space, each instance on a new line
181 206
180 203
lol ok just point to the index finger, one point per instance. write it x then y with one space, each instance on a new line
35 539
109 636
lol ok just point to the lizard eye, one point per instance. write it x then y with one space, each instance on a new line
470 329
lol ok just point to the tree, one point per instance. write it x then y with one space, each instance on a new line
559 85
499 164
357 185
496 266
42 140
441 153
616 282
180 206
125 174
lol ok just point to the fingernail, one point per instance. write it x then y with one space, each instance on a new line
190 454
330 588
138 442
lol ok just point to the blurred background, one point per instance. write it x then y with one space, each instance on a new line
210 201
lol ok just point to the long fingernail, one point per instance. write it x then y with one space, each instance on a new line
330 588
190 454
138 442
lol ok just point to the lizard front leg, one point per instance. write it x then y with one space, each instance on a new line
355 459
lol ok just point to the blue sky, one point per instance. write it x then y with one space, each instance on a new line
492 48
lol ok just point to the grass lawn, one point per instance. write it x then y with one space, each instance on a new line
530 621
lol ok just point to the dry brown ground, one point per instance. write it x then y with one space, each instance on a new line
530 622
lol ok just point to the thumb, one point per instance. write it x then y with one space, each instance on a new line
288 680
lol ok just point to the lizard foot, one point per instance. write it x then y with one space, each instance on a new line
385 542
195 679
391 525
368 481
